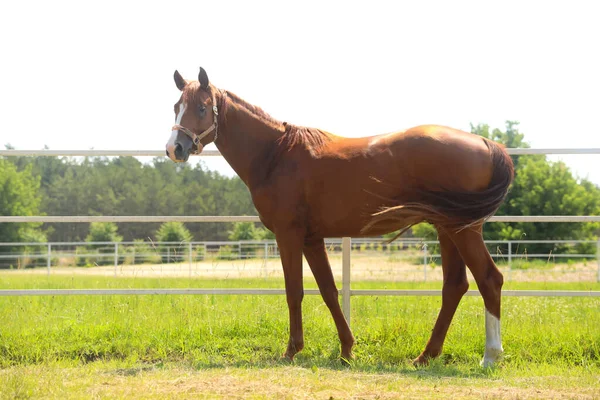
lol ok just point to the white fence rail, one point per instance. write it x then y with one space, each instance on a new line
345 298
247 218
346 291
216 153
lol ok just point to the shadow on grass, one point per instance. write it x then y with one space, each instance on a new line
444 367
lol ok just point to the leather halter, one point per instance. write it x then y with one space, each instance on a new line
196 138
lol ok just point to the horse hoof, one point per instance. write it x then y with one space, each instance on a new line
491 357
421 361
289 355
347 359
345 362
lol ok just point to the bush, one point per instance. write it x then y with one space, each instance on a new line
244 231
31 253
227 253
141 253
173 232
198 254
248 231
80 259
102 232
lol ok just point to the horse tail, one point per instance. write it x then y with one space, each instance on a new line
456 210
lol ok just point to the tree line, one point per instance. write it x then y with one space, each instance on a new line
115 186
126 186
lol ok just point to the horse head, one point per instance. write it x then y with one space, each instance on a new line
196 117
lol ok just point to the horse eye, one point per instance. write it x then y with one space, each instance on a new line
201 110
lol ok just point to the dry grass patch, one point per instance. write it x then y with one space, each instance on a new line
107 380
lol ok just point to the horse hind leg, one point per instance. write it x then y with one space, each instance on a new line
454 287
489 282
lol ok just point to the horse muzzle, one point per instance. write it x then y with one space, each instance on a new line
179 147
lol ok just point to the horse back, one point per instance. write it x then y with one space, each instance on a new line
337 189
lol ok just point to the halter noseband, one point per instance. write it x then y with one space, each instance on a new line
196 138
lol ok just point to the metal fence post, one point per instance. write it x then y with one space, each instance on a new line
598 258
190 257
266 258
266 252
49 258
346 246
425 262
116 257
509 260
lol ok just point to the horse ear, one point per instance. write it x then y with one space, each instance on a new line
203 78
179 81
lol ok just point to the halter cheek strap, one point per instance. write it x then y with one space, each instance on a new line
196 138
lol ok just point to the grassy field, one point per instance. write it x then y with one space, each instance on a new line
231 346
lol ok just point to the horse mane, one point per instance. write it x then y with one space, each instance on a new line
289 136
312 139
254 110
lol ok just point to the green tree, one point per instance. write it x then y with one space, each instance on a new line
541 187
510 137
425 231
125 186
19 196
265 234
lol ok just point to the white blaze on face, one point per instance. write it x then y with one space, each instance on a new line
171 142
493 342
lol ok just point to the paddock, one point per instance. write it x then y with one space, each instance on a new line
120 330
346 291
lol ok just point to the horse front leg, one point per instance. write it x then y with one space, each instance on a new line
290 248
316 255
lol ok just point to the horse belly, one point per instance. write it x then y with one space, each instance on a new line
344 207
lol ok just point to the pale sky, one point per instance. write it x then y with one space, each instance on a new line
81 75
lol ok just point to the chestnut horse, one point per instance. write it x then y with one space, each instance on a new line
308 184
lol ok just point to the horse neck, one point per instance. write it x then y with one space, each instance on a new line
246 138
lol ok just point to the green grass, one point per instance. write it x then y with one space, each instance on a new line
554 337
16 280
